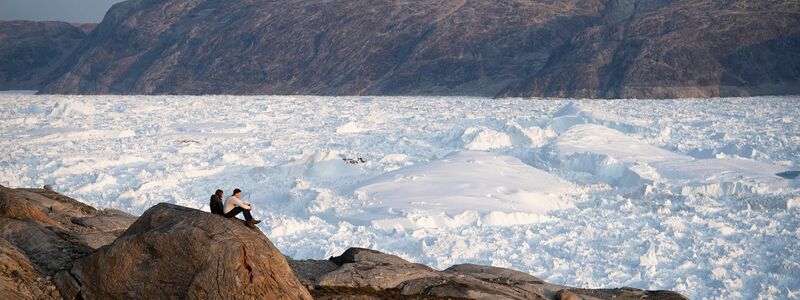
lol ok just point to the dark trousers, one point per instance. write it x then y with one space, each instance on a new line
236 210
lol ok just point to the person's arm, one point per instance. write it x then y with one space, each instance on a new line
249 205
238 202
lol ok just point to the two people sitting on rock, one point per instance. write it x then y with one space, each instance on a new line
232 207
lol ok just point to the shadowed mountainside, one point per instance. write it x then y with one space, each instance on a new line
576 48
683 49
31 51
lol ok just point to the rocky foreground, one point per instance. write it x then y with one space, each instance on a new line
52 246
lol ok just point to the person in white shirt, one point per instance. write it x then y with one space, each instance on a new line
234 205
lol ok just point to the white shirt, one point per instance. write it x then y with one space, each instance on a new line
232 202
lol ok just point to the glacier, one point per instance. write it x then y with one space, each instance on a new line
672 194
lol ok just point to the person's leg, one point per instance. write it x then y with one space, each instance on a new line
235 211
247 215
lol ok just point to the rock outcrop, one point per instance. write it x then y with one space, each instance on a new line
54 247
174 252
575 48
30 52
368 268
39 236
19 279
367 274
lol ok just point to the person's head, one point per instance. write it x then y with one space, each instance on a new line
219 193
237 193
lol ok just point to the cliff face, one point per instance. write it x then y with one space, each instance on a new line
576 48
31 51
320 47
681 49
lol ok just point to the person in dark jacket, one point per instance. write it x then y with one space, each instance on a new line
216 203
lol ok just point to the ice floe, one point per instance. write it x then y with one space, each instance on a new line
699 196
503 188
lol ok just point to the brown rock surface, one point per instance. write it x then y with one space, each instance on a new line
14 206
369 274
39 236
94 228
19 279
44 240
369 268
173 252
50 249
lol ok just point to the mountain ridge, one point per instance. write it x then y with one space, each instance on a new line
31 51
508 48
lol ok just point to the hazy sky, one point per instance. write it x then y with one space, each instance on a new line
82 11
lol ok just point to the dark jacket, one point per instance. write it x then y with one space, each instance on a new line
216 205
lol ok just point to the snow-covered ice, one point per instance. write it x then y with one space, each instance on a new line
501 190
678 194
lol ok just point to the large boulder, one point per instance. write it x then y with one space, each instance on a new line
174 252
369 268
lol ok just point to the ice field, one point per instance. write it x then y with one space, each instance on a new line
677 194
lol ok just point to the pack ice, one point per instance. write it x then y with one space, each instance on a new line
617 159
464 184
677 194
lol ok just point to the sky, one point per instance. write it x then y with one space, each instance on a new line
79 11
